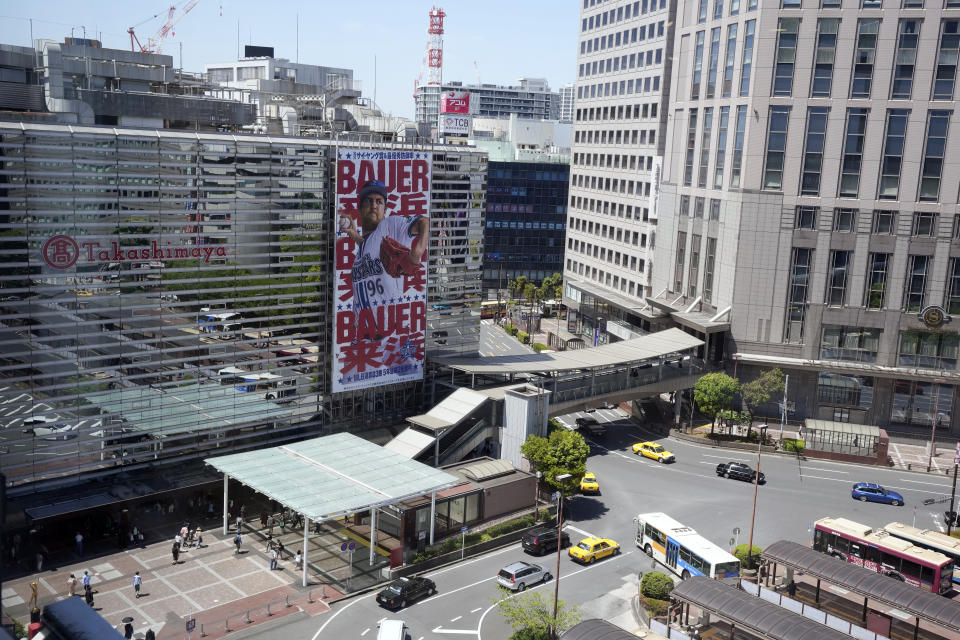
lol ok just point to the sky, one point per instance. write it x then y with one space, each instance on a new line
383 41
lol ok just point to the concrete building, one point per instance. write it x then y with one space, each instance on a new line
622 97
809 216
568 94
532 98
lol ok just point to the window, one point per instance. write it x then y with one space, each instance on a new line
844 219
916 284
702 13
691 144
747 58
681 254
713 62
714 209
852 344
877 280
893 153
945 72
728 65
837 278
799 283
738 137
705 146
734 7
805 217
938 123
697 66
884 222
721 148
717 9
912 4
708 267
698 207
953 287
928 350
924 224
813 151
776 148
906 59
824 57
694 273
786 56
853 152
863 57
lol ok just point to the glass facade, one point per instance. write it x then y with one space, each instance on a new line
167 295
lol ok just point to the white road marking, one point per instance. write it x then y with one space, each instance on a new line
455 619
507 549
707 455
336 613
365 632
932 484
585 534
470 632
475 610
827 470
897 452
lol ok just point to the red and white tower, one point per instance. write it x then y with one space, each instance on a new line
435 46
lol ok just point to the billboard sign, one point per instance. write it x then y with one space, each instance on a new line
63 251
455 102
453 125
655 189
383 204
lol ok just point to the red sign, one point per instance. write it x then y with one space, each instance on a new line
455 102
62 252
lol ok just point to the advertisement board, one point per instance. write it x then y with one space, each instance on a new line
383 204
655 188
455 102
454 125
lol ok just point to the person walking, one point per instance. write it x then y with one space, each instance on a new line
137 581
150 635
237 541
88 597
86 580
72 584
239 524
184 531
263 518
268 544
199 537
79 540
176 552
298 560
273 559
270 523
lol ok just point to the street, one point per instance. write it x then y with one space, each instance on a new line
795 495
494 341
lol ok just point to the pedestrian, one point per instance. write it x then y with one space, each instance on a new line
176 552
128 628
199 536
243 512
270 523
86 581
79 540
72 584
210 509
273 559
792 588
137 581
280 548
298 560
237 541
150 635
269 544
184 530
263 518
39 560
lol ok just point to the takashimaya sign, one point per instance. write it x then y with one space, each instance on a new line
62 252
933 316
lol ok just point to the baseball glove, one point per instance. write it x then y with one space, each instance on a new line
395 258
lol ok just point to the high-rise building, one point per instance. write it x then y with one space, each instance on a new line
622 93
532 98
567 96
809 216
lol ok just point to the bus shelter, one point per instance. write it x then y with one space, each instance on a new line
845 441
901 597
332 477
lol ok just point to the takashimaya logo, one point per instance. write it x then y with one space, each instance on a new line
933 316
62 252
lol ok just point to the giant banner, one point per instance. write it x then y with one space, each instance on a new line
383 234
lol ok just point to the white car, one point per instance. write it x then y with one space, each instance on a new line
49 429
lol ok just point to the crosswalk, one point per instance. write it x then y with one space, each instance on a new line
15 407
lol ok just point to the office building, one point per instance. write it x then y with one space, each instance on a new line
809 216
532 98
620 115
568 94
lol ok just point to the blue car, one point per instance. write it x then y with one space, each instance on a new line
870 492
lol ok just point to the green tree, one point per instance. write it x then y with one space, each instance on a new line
749 558
530 614
517 286
530 293
564 451
759 391
713 393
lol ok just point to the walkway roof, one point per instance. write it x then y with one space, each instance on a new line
648 347
451 411
333 476
751 613
869 584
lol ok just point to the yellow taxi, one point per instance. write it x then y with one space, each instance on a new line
653 451
82 293
590 549
589 483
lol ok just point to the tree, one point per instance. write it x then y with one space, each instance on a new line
517 286
551 288
530 293
562 452
530 615
713 393
759 391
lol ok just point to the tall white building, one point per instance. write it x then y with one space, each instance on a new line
622 93
568 94
531 98
809 216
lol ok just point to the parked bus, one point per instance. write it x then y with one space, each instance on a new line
270 385
933 540
489 308
681 549
220 323
884 553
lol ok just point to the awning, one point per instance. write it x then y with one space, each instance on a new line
451 411
855 368
410 442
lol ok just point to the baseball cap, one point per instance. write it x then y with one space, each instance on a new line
372 186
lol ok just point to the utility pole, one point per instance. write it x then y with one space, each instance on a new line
953 491
936 419
753 514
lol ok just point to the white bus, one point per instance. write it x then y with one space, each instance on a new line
933 540
681 549
269 385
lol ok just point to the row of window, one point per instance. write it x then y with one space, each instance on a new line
621 88
525 224
617 112
924 349
717 10
870 4
923 224
622 38
726 129
612 185
713 62
623 284
608 232
592 205
606 255
613 161
626 12
618 63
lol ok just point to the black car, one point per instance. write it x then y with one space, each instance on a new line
739 471
403 591
543 540
591 427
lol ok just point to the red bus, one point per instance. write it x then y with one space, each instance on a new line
881 552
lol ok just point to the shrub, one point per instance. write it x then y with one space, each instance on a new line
793 444
531 633
656 585
539 346
654 607
741 553
511 329
523 337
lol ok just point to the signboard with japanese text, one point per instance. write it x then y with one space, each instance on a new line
383 205
455 102
454 125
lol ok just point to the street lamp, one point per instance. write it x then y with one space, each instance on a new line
756 484
556 584
536 496
936 418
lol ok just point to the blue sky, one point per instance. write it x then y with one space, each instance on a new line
507 39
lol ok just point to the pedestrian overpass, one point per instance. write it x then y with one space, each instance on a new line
519 392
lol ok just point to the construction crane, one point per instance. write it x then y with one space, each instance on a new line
155 43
